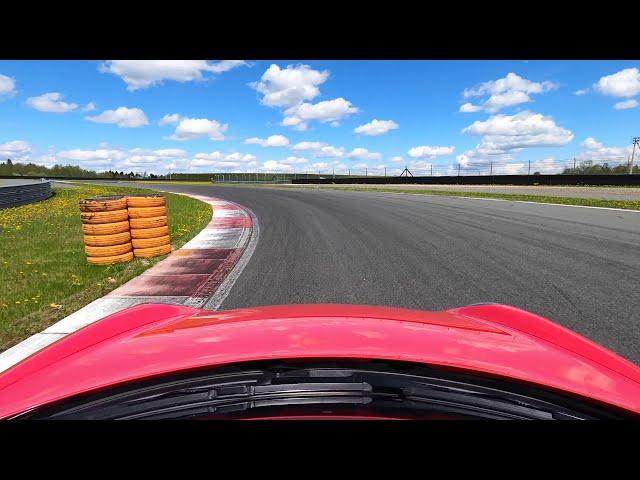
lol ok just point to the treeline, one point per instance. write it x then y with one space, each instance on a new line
10 168
587 167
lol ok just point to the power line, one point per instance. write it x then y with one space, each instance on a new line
636 142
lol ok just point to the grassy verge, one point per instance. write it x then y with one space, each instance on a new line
589 202
43 271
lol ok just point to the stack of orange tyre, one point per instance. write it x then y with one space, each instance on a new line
105 224
148 221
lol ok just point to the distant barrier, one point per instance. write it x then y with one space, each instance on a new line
16 195
594 180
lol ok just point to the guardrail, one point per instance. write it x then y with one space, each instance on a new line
486 180
16 195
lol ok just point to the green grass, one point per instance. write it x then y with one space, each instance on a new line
589 202
43 270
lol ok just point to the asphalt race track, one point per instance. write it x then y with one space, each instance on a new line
579 267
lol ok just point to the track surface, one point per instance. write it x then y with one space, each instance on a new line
579 267
603 193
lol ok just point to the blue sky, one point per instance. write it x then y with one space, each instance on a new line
195 116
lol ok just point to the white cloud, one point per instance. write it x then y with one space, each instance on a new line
289 86
502 133
221 160
397 158
106 158
360 166
170 119
48 159
326 111
294 160
632 103
591 143
123 117
625 83
145 73
101 157
7 87
191 128
320 165
292 88
376 127
504 92
276 166
15 150
426 151
582 91
318 149
140 157
545 166
596 151
271 141
469 108
51 102
364 154
225 65
89 107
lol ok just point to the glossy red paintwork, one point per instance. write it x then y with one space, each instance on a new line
149 340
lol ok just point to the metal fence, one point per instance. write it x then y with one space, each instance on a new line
537 179
16 195
481 168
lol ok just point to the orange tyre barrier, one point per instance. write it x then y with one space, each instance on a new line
152 222
117 228
108 251
125 257
104 217
152 252
150 242
105 228
145 201
103 204
107 240
149 232
147 212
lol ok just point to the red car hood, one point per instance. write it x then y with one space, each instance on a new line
149 340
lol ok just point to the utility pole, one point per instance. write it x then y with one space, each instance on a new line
574 164
636 142
349 172
529 172
491 169
366 172
431 169
385 171
458 169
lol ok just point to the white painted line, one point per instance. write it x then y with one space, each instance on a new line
216 238
228 213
